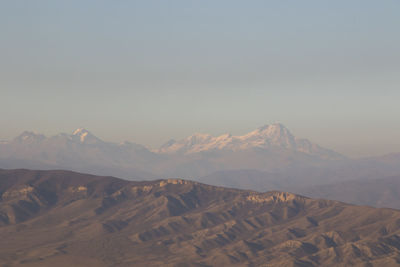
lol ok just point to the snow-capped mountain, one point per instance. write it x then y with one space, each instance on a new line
29 137
268 148
79 151
84 136
80 135
270 157
265 137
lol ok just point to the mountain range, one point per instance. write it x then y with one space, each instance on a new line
267 137
62 218
79 151
269 147
268 158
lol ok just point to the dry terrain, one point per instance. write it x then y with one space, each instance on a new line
60 218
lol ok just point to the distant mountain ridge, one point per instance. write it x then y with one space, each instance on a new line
268 158
79 151
381 192
80 135
266 137
193 156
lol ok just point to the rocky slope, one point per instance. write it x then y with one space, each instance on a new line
59 218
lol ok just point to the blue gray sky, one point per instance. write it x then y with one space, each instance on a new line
148 71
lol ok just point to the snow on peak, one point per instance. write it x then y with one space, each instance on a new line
271 135
28 136
267 136
273 130
199 138
80 131
274 126
85 136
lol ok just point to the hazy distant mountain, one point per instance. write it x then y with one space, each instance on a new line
351 182
266 137
285 180
383 192
246 179
271 148
267 158
59 218
80 151
268 148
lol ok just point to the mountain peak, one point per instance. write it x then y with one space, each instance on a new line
275 129
85 136
274 126
80 131
29 136
271 135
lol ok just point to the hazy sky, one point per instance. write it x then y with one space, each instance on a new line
148 71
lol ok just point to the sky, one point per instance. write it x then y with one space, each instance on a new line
149 71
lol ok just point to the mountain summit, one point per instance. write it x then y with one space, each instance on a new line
29 137
85 136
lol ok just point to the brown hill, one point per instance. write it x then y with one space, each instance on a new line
60 218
